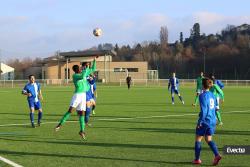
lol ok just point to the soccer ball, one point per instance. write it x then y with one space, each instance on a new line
97 32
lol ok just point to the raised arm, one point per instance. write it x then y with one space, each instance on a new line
88 71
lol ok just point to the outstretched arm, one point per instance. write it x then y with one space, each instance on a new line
88 71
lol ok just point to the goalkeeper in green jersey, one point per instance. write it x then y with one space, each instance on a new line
198 88
218 93
78 100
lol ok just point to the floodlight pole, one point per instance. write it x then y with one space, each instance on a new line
58 64
0 56
67 72
105 66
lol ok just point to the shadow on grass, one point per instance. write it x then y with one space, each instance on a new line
27 114
130 104
17 153
187 131
107 145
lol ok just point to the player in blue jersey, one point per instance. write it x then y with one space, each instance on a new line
216 81
34 94
206 122
174 85
90 101
92 83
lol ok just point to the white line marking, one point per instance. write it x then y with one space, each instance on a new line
9 162
129 118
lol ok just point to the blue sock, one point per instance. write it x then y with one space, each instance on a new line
213 148
87 114
40 115
197 150
180 98
172 99
32 117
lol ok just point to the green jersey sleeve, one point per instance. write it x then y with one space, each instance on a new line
219 91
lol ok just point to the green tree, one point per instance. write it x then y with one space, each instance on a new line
181 37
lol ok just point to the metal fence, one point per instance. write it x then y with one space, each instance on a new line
135 82
43 82
186 82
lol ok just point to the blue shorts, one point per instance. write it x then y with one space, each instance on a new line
174 91
89 96
205 130
35 105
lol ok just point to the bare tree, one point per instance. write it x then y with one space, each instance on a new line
164 37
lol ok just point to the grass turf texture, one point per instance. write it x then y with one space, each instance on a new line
155 141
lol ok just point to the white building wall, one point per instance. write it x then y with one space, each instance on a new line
7 72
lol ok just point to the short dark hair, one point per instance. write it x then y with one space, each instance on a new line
206 83
75 68
211 76
31 76
84 63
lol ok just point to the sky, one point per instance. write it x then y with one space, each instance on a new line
39 28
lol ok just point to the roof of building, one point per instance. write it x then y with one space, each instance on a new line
5 68
88 53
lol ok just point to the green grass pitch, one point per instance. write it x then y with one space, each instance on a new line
139 127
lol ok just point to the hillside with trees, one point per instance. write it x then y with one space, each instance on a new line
227 54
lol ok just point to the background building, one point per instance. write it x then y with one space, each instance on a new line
60 66
7 72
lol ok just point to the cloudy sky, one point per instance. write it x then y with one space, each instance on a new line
40 27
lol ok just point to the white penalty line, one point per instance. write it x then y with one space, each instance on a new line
10 162
130 118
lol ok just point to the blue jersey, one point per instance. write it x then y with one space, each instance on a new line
174 83
208 103
219 83
92 85
33 89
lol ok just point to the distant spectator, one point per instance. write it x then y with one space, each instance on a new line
128 80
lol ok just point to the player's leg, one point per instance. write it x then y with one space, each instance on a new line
196 97
88 112
197 149
179 95
88 106
82 124
214 148
32 111
200 131
82 108
75 101
40 112
64 118
93 106
218 114
172 96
